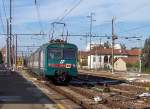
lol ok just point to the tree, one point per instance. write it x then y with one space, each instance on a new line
146 53
134 48
107 44
123 47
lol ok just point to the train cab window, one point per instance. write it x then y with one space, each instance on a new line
55 53
69 53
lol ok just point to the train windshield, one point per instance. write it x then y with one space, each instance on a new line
62 53
55 53
69 53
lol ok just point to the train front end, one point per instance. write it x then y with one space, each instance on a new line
62 61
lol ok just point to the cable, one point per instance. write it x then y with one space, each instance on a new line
137 28
135 9
38 16
75 6
4 8
13 10
65 14
57 19
3 27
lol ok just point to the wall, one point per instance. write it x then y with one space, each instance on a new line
120 65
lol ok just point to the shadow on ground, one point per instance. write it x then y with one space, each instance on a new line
90 80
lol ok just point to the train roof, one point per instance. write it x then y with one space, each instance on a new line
56 43
44 46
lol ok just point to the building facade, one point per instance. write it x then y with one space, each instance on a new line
103 58
120 65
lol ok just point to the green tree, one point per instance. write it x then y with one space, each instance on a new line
123 46
146 53
107 44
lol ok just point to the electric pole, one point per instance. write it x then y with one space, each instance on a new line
100 40
13 52
10 31
6 52
16 52
7 44
113 42
91 24
86 41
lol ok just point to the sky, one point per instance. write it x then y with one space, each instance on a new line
132 18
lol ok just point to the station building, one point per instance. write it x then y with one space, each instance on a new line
101 58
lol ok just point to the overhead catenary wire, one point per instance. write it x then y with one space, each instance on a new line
38 15
137 8
4 8
70 10
13 10
66 13
2 23
136 28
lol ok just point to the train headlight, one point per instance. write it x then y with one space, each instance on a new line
68 65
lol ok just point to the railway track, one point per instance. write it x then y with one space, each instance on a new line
82 91
105 75
78 98
62 101
113 99
127 98
124 94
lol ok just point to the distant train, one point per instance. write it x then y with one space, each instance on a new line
56 60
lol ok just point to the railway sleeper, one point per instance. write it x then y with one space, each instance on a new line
79 99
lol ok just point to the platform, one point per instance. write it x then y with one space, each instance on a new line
18 93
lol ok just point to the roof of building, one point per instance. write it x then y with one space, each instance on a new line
134 52
108 51
130 60
83 53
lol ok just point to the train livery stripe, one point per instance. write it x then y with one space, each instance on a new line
60 65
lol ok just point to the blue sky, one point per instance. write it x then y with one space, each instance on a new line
132 19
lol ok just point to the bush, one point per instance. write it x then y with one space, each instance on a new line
132 65
145 69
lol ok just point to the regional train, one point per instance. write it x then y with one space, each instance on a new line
56 60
